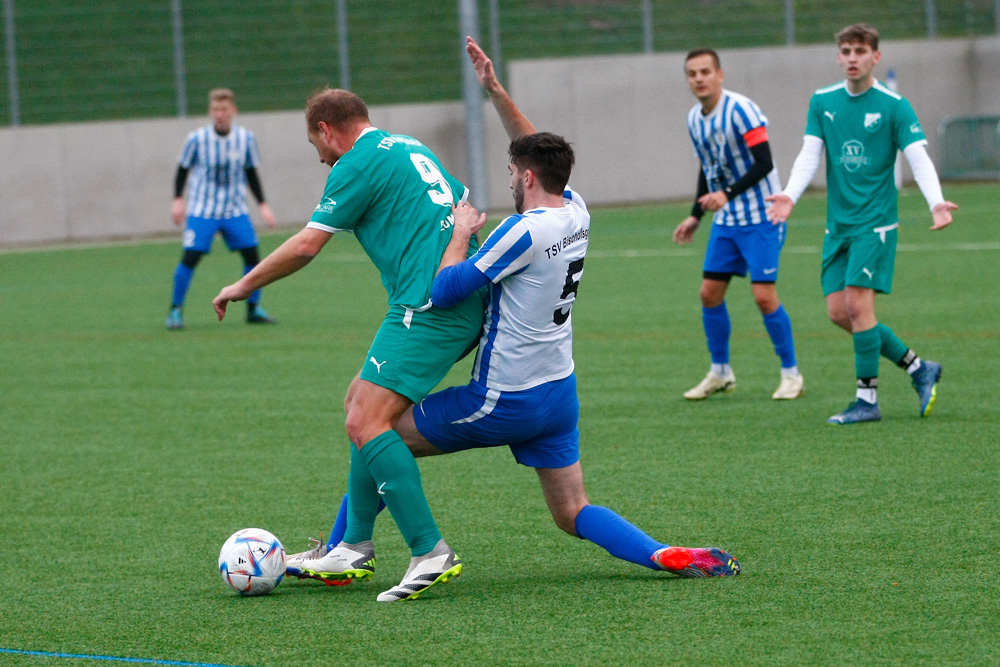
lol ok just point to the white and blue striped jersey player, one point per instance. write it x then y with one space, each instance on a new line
523 390
217 186
722 142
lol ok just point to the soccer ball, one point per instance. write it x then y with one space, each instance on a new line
252 562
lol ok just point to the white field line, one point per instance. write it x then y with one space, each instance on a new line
795 250
597 254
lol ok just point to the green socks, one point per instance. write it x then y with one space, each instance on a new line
395 478
867 345
893 349
362 500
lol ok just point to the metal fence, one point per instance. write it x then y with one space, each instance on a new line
118 59
970 147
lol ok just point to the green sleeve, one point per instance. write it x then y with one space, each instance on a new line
345 199
457 188
814 125
906 128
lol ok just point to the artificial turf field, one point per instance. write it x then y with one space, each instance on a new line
129 455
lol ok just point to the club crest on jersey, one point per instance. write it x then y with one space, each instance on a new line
852 155
720 138
873 121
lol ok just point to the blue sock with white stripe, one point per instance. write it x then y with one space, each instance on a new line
340 525
717 329
620 538
182 279
779 327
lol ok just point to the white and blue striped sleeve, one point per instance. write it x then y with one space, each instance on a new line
506 251
747 116
189 153
253 151
572 196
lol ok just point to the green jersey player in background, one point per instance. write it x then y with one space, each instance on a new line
863 124
392 193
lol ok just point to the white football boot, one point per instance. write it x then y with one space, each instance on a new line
712 384
791 387
438 566
342 563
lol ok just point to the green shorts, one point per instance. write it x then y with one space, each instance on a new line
414 350
866 260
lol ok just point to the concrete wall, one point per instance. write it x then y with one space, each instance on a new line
624 115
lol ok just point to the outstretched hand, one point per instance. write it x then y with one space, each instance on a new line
685 231
780 208
942 215
231 293
485 73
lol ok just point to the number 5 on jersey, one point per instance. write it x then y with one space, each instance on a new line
573 274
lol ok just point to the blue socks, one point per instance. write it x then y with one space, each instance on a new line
182 279
779 327
618 537
340 525
597 524
717 329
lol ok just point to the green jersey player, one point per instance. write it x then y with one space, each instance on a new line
392 193
862 125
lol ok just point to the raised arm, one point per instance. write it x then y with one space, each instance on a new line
514 122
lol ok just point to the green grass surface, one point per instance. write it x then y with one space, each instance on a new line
129 455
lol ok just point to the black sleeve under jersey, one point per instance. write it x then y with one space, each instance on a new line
179 180
697 211
254 182
762 166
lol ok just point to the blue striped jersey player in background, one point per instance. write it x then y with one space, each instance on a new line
729 134
221 160
523 389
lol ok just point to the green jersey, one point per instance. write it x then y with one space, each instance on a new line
862 134
392 193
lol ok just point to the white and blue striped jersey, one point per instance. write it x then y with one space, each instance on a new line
217 183
534 261
724 155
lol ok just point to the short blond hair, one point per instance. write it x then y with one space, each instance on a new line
221 95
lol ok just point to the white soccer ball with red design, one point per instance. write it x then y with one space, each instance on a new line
252 562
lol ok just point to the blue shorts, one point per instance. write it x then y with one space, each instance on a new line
538 424
237 232
734 250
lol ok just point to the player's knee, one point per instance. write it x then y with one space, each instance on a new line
564 515
767 303
712 296
840 318
566 521
355 425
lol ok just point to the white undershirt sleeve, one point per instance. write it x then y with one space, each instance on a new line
805 167
924 173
